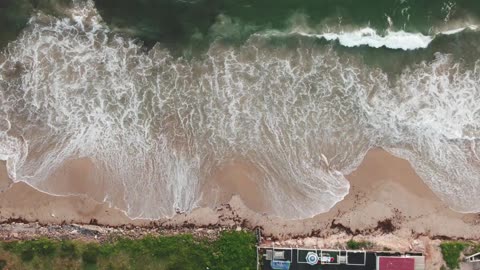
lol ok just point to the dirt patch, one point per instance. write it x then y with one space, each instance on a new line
385 226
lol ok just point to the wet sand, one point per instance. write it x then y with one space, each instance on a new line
21 201
236 178
81 177
5 181
384 189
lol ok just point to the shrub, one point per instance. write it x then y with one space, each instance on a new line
451 253
68 249
27 250
27 254
3 263
90 254
107 250
235 250
43 247
231 251
10 246
352 244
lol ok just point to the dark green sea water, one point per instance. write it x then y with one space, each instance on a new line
188 26
189 23
178 21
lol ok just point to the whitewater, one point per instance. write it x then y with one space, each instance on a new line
161 126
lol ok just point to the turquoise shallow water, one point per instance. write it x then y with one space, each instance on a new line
162 95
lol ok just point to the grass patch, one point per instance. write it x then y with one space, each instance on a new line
90 254
231 251
68 250
451 253
352 244
27 250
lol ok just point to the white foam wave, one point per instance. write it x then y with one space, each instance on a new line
460 29
369 37
432 118
160 126
397 40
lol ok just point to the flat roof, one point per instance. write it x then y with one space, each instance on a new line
396 263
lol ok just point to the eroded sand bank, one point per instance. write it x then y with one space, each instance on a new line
384 189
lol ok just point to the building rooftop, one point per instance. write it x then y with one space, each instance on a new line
395 263
282 258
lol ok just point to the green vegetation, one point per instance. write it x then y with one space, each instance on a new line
232 250
352 244
68 250
451 253
90 254
452 250
473 248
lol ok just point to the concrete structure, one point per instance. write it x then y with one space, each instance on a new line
473 258
274 258
473 262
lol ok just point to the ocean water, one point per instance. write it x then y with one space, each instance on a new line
161 95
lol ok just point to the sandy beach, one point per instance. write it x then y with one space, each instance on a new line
388 204
215 115
384 190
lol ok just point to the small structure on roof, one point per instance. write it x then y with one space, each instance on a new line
280 265
312 258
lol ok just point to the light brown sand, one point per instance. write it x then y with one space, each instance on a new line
25 202
236 177
383 187
81 177
5 181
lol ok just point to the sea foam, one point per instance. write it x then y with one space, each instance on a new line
367 36
160 126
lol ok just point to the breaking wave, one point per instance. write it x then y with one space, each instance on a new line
397 40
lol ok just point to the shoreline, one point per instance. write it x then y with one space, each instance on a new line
388 205
384 198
